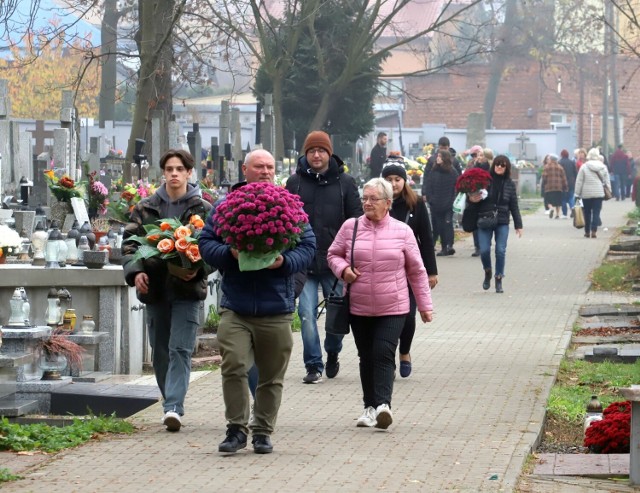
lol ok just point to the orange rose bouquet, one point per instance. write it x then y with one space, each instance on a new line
174 242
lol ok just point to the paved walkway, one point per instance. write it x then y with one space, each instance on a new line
464 421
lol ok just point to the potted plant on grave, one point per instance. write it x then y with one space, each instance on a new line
97 196
119 208
63 188
57 352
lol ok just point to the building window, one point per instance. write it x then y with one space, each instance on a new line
391 87
557 118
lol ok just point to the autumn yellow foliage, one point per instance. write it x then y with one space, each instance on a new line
36 82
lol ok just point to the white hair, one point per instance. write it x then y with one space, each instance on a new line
382 185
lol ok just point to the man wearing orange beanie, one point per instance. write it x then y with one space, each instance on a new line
330 197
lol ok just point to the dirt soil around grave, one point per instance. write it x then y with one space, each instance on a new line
205 357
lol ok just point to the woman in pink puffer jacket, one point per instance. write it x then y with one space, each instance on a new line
386 255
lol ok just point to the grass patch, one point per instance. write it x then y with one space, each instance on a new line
634 214
5 475
578 380
615 276
296 325
40 436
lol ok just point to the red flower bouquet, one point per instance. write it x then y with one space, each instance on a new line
174 242
612 434
260 220
473 180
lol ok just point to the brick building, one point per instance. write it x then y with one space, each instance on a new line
531 98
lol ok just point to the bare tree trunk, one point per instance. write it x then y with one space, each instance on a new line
108 83
154 80
500 61
278 152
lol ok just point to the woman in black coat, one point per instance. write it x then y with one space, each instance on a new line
441 192
409 209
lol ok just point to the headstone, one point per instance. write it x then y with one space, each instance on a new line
524 150
174 132
61 149
26 220
224 123
23 154
39 190
67 118
236 140
476 129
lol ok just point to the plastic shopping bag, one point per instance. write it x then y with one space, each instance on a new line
578 215
459 203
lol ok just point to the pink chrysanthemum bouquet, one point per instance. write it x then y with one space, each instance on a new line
260 220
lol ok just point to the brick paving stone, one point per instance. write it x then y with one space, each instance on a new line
465 420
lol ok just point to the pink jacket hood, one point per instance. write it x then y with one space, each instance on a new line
386 254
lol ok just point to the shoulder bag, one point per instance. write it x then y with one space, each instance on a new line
489 219
607 191
337 306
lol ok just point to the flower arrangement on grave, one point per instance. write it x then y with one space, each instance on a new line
174 242
130 195
97 194
473 180
612 434
10 242
260 220
113 153
63 188
208 190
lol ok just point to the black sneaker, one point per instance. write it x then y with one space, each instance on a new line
476 253
312 376
332 367
236 440
262 444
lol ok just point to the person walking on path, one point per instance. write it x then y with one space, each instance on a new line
443 145
570 171
554 182
592 177
620 166
441 192
409 209
378 155
385 255
255 324
172 303
330 196
502 196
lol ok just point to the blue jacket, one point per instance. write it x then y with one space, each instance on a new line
257 293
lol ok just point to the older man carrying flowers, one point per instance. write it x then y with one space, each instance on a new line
263 221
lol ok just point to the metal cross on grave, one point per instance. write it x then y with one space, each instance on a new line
523 139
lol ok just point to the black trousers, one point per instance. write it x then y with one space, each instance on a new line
377 340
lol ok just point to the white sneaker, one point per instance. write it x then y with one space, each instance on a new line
368 418
172 421
384 418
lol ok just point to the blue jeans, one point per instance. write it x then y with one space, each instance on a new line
172 334
568 201
308 312
484 238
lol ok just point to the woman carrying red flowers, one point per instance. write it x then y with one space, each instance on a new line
499 199
173 303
